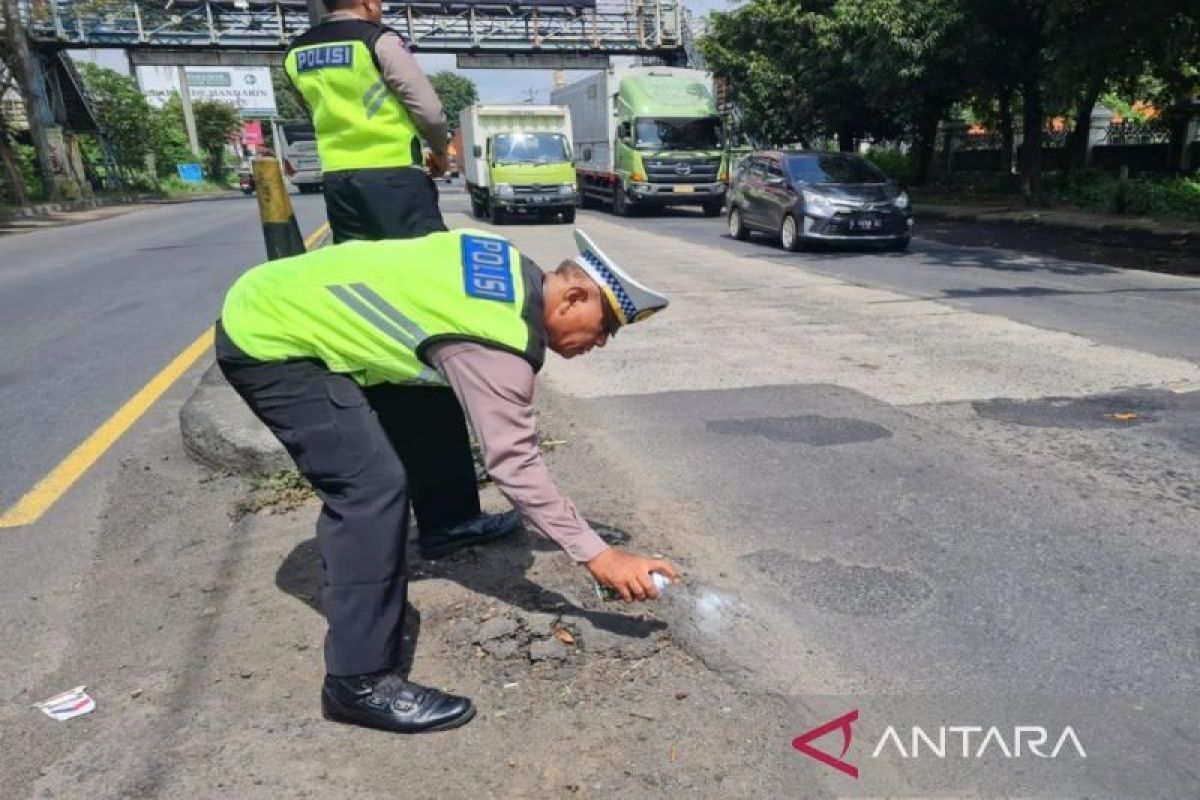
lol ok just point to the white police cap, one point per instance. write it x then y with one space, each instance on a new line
630 301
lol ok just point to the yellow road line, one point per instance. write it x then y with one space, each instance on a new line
49 489
316 235
38 499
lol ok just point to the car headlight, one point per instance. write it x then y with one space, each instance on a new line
901 200
566 188
818 205
504 190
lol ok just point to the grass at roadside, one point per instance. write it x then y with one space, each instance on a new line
1087 190
172 186
278 493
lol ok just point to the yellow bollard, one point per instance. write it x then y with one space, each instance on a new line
280 230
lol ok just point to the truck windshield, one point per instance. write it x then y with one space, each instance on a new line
529 148
700 133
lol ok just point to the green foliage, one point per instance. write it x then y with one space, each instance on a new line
173 185
124 114
884 69
1095 190
896 165
216 124
455 92
289 104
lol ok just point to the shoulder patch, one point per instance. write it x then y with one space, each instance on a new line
487 269
324 57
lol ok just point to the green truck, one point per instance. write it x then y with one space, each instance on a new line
647 137
517 161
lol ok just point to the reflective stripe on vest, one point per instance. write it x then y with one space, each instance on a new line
360 124
370 309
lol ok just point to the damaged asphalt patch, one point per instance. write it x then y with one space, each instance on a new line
807 429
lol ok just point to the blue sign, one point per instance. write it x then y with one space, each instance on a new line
192 173
335 55
487 271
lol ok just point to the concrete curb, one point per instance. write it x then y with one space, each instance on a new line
1050 219
39 210
220 431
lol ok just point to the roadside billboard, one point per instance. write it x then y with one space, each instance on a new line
247 88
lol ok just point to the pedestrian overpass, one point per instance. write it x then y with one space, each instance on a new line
535 33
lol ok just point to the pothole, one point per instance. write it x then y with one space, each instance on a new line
810 429
842 588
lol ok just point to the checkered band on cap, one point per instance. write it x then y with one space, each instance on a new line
627 306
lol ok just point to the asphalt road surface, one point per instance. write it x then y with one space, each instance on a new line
957 472
90 312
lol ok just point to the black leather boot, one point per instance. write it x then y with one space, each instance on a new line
484 528
389 702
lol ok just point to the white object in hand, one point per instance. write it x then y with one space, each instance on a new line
661 582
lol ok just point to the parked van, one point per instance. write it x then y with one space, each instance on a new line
298 155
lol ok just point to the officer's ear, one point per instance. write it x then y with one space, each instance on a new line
575 295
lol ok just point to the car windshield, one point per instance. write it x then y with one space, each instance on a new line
702 133
529 148
833 168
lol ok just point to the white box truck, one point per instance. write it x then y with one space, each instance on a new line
517 161
647 136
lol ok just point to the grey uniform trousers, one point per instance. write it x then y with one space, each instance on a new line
336 438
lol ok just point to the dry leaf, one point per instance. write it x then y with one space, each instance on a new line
564 636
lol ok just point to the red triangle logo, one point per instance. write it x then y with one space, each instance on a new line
842 723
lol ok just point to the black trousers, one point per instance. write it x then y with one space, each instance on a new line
334 432
388 203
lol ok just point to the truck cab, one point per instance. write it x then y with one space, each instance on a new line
668 147
517 161
647 137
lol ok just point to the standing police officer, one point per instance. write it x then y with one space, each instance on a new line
300 338
370 104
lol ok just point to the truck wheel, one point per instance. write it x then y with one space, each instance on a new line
620 201
582 200
477 209
569 216
494 214
712 209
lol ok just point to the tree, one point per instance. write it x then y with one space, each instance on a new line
910 57
289 104
455 92
18 59
13 179
123 112
216 123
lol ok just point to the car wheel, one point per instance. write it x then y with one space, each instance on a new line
712 209
898 245
789 234
737 226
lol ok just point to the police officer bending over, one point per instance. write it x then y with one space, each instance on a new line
369 101
300 339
